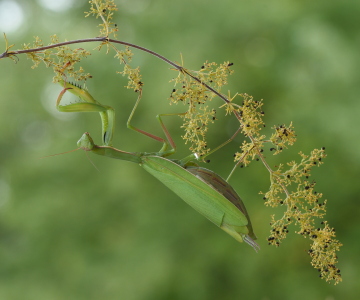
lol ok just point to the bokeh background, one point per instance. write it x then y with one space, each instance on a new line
68 231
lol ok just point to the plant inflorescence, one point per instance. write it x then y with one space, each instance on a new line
290 183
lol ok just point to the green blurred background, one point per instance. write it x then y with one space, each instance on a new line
68 231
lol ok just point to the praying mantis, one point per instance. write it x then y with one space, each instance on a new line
201 188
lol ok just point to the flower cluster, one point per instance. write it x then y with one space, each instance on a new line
194 89
105 11
290 188
62 59
303 206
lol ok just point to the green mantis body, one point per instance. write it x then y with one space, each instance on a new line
201 188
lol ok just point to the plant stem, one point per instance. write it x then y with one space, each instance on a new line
105 39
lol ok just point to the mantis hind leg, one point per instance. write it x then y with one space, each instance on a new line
223 144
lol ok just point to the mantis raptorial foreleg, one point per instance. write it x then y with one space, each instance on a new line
89 104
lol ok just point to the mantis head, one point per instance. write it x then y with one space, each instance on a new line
86 143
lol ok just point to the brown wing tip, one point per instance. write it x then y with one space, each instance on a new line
247 239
